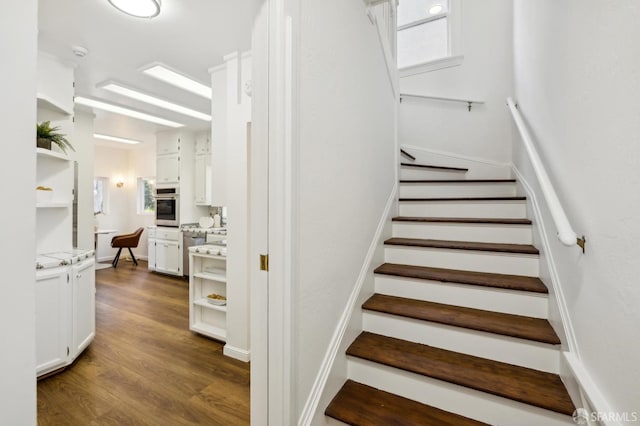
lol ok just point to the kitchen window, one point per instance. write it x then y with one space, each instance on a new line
146 191
100 194
427 35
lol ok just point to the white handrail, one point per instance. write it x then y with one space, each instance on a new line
469 102
566 235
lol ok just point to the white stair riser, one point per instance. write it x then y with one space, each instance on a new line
480 232
466 260
411 173
469 296
522 352
492 209
453 398
426 190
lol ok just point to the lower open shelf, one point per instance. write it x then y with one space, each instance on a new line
203 303
210 330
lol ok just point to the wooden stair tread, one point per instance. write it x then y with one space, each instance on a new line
484 279
359 405
533 387
463 245
429 166
406 154
522 327
457 181
462 220
463 199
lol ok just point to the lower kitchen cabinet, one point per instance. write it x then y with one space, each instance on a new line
165 251
65 314
53 319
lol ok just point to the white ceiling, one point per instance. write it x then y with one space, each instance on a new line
189 36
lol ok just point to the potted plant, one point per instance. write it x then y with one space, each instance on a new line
47 135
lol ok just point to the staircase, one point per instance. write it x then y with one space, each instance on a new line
456 332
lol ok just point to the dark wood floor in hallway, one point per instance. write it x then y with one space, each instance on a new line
145 367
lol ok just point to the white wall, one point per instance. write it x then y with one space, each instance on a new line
577 80
18 47
84 155
344 174
130 163
485 75
113 163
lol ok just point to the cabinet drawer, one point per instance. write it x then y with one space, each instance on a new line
167 234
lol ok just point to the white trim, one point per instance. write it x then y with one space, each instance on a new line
317 390
236 353
589 388
392 66
457 156
217 68
436 64
553 271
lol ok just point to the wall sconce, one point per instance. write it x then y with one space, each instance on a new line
119 181
120 184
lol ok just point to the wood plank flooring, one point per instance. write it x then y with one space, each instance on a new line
145 367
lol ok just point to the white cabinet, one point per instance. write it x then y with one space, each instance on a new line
168 168
65 312
53 319
165 251
84 305
203 143
203 180
207 275
167 143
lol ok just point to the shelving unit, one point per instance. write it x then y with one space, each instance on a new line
208 275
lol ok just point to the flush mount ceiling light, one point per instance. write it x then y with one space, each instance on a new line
138 8
435 9
143 97
116 109
115 139
174 78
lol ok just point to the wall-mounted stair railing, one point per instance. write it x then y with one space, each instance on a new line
469 102
566 234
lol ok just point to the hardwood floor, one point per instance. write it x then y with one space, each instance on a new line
145 367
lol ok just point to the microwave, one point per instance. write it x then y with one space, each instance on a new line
168 206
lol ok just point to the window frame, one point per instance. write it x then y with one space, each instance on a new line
140 195
454 41
105 194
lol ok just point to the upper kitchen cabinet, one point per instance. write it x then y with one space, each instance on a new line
202 169
168 168
168 143
203 143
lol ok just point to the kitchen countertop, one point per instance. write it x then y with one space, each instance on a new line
63 258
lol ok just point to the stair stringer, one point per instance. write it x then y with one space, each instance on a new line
479 168
333 370
576 378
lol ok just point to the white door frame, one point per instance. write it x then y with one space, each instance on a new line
274 131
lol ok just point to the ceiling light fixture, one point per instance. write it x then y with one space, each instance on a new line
435 9
143 97
174 78
116 139
93 103
138 8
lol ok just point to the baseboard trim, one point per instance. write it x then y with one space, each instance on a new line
456 156
236 353
589 389
553 271
317 390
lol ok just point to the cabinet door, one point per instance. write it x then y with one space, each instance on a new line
168 168
167 143
151 256
168 257
200 179
203 145
84 305
53 319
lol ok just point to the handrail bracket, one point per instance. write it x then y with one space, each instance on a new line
581 242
